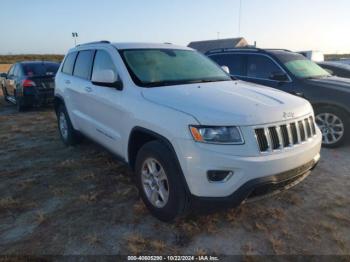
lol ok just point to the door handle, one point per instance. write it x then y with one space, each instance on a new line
67 82
88 89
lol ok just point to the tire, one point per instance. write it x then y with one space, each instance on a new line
334 125
68 134
177 202
20 104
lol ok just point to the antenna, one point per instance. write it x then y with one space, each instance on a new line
239 17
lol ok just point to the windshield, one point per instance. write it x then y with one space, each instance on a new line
304 68
40 69
162 67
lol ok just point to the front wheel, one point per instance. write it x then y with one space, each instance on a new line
159 182
333 124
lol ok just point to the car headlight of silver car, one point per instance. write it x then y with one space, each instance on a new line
217 134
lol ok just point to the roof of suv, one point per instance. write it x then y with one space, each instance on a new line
127 45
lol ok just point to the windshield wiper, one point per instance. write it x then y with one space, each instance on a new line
182 82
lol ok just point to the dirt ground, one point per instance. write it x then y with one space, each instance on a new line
56 200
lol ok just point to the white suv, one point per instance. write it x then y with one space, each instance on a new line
191 134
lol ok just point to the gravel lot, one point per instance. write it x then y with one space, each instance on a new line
57 200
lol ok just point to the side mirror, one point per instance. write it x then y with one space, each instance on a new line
279 76
108 78
4 75
226 69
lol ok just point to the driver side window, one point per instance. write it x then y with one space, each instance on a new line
103 61
261 67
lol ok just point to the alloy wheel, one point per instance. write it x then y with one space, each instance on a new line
155 183
331 126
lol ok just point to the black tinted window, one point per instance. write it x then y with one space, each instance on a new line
235 62
103 62
69 63
259 66
40 69
83 64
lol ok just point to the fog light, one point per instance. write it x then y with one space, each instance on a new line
219 175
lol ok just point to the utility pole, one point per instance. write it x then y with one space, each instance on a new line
75 36
218 34
239 18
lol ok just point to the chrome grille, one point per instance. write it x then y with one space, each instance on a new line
277 137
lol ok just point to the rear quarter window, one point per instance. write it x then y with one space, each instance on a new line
69 63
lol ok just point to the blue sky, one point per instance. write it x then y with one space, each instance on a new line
45 26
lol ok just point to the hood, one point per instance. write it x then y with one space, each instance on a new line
333 82
229 102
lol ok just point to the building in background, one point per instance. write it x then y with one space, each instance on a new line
207 45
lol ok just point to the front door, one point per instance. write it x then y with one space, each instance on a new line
104 106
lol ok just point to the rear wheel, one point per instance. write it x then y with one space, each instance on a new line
68 135
20 104
159 182
333 124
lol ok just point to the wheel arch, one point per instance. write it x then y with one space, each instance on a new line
139 136
334 105
58 100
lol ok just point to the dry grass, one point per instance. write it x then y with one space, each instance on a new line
140 208
4 67
41 217
89 197
137 245
340 218
93 240
277 245
9 203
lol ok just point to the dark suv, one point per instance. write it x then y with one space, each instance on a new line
293 73
29 83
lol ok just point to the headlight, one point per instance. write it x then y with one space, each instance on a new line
217 134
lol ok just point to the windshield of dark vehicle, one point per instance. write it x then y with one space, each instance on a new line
162 67
40 69
302 67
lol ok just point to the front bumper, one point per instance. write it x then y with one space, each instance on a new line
195 161
257 188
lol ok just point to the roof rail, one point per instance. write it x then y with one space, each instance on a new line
278 49
245 48
232 49
96 42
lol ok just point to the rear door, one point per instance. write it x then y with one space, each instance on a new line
79 84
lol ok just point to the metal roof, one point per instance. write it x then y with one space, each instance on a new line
207 45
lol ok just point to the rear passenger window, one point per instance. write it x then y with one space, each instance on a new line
103 61
69 63
235 62
83 65
262 67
